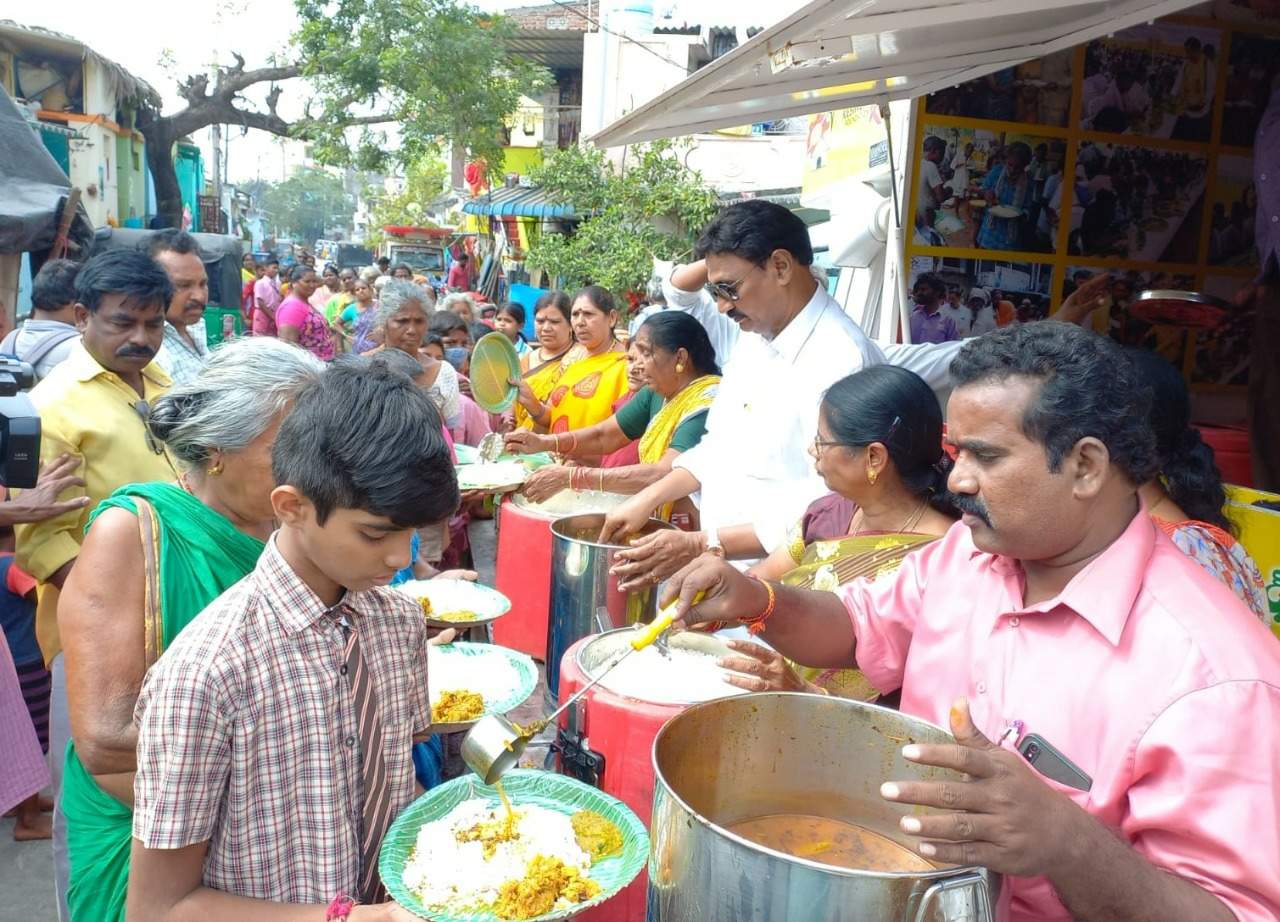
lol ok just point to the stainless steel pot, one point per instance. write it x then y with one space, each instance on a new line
733 759
584 596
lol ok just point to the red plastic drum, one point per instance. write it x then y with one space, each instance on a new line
617 730
524 563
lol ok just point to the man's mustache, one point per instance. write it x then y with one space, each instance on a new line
139 352
736 315
972 505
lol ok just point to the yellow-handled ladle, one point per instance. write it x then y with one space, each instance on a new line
494 744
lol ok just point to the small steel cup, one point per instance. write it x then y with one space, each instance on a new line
493 745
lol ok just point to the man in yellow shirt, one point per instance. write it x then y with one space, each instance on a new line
93 407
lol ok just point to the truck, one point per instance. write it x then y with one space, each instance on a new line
343 253
421 248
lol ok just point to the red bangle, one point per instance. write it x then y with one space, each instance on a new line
339 908
756 625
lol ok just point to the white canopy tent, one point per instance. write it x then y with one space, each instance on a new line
833 54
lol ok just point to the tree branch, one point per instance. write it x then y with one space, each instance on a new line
238 79
369 120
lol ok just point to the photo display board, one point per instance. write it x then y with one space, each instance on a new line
1131 156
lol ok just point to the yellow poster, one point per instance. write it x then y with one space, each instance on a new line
842 145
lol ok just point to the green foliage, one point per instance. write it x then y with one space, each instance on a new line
424 182
438 68
306 204
652 209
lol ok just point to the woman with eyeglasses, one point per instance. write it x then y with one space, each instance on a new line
580 388
155 554
879 450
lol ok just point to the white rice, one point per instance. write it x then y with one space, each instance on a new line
450 595
684 678
487 475
455 876
493 675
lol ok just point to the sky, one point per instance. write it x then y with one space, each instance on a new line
162 41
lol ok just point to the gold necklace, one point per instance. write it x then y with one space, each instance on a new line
911 522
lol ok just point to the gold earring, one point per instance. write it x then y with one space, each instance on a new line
215 470
871 478
679 368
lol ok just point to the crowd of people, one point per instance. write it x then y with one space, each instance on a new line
232 700
1139 84
1126 195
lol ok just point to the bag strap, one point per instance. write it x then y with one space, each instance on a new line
152 618
52 341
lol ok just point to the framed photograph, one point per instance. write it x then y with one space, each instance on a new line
1233 210
1263 14
1035 93
984 294
1117 321
1137 203
1221 357
1253 70
1155 80
988 189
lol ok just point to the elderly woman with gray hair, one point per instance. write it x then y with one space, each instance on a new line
461 304
154 556
403 315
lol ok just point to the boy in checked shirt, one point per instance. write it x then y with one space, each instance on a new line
275 734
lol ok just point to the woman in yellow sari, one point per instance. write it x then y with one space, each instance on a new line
581 389
668 415
540 365
879 449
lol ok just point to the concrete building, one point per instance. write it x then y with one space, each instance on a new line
632 59
89 105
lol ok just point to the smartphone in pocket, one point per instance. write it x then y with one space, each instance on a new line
1051 763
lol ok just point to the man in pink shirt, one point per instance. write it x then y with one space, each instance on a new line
266 298
1057 608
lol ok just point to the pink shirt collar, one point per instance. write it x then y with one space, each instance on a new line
1104 592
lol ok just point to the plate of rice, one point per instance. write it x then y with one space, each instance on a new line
456 603
492 477
466 681
457 855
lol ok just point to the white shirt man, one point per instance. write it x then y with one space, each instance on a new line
929 360
753 464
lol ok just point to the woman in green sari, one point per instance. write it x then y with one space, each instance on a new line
155 554
879 449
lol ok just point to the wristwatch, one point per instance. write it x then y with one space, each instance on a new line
713 543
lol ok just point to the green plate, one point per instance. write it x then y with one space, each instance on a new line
493 364
524 786
497 700
469 454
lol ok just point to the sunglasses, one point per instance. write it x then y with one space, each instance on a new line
143 409
728 291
